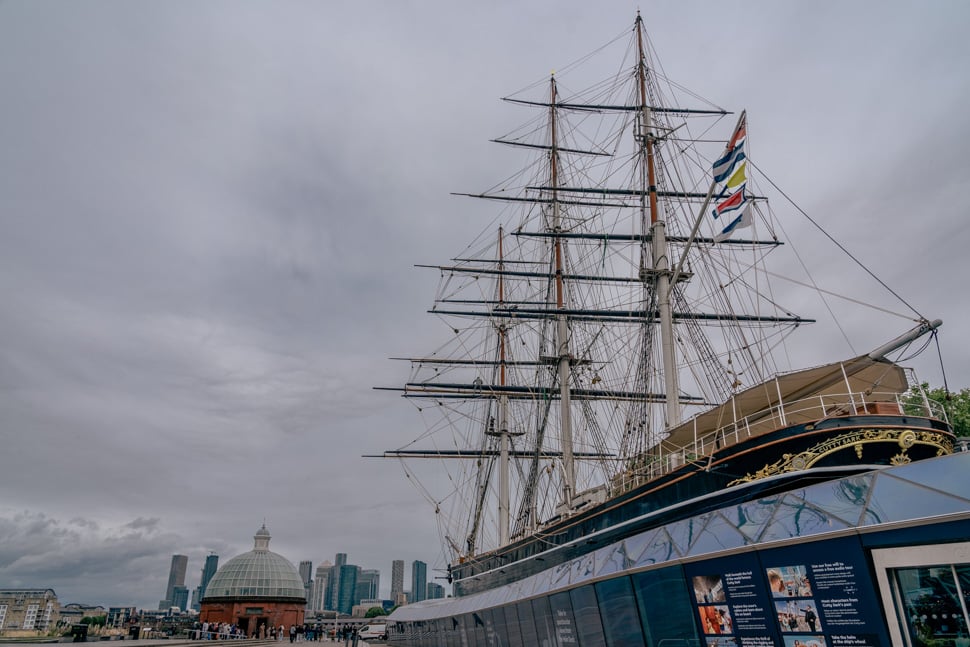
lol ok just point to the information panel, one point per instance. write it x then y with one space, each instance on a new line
732 603
823 595
808 595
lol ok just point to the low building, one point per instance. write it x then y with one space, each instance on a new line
28 610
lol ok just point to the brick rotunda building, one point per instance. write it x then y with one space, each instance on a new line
256 588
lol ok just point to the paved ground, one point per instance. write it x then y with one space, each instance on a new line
180 642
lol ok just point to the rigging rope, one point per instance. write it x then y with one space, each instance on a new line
837 243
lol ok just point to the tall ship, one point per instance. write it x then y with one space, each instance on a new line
614 416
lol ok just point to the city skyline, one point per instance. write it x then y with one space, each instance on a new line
370 578
211 214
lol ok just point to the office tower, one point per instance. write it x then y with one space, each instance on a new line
208 570
368 585
321 583
306 571
180 598
333 586
435 591
419 581
176 577
306 574
397 578
346 587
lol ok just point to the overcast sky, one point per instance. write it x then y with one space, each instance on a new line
209 214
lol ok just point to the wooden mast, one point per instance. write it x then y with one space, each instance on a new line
562 328
659 251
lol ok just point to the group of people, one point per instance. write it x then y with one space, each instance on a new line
312 633
301 633
217 631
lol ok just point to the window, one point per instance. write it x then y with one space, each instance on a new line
618 608
926 593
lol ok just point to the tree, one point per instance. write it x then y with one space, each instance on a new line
373 612
94 621
956 405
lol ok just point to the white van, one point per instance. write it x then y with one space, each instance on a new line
378 631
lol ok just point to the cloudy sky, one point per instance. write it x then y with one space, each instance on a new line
209 214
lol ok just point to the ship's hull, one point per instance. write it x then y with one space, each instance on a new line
846 549
793 456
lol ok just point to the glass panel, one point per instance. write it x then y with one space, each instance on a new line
795 517
665 606
636 546
621 622
845 498
560 576
527 624
946 473
512 626
750 517
719 534
659 549
589 627
684 532
895 500
612 559
562 615
582 569
495 631
933 610
545 630
963 578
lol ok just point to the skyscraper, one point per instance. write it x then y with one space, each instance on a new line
347 587
435 591
180 598
321 584
419 580
397 578
176 577
333 585
368 585
208 570
306 574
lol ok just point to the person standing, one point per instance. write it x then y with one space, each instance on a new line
810 618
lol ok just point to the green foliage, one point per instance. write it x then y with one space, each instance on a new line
94 621
373 612
956 405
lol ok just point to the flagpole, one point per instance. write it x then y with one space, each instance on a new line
700 215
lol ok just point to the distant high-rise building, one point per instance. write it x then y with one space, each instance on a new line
397 578
333 585
419 580
435 591
208 570
176 577
368 585
180 598
346 587
321 583
306 570
306 574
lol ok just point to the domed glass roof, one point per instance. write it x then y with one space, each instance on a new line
258 574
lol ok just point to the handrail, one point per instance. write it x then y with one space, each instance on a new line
808 410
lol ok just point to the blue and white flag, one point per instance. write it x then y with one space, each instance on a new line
733 153
744 219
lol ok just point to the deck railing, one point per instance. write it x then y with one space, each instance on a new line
663 460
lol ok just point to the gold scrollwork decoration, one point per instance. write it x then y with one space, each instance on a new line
905 438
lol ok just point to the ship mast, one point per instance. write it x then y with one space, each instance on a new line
659 253
503 413
562 329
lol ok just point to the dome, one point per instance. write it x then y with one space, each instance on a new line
258 574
